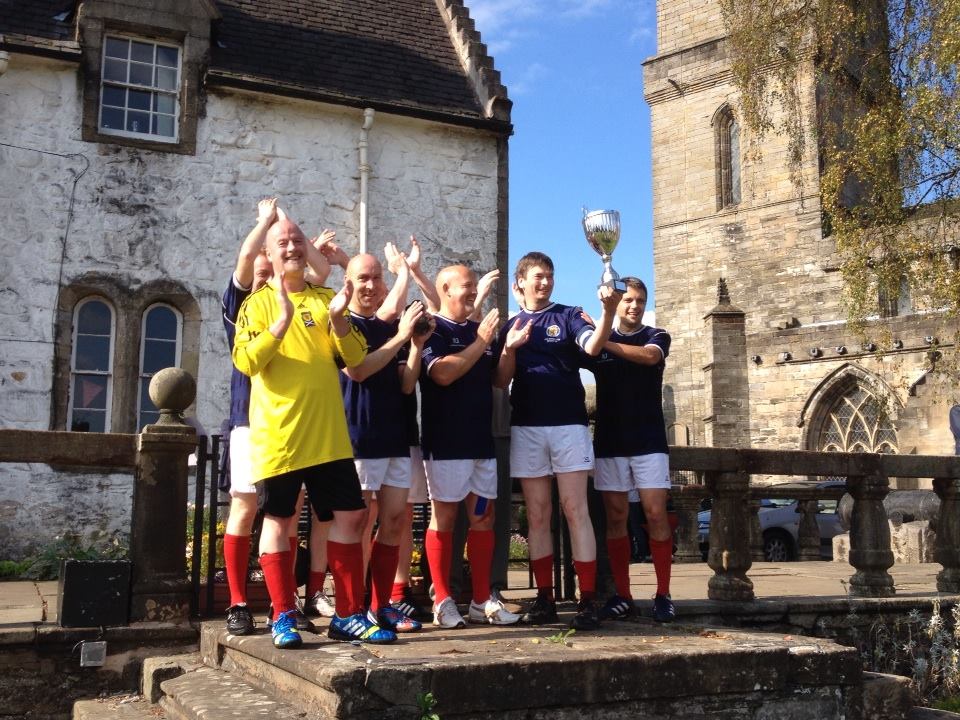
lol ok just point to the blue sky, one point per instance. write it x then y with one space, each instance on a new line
582 130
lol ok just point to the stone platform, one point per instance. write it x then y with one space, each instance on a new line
626 669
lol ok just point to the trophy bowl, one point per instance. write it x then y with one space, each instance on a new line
602 230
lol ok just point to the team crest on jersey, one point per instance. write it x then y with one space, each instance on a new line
307 318
553 331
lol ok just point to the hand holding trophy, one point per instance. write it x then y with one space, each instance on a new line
602 230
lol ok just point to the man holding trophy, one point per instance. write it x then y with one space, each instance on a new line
541 352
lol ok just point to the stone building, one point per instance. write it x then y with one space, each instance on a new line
769 361
136 137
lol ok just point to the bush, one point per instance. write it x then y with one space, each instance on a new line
45 565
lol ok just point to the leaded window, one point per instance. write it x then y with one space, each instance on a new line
857 422
160 341
91 367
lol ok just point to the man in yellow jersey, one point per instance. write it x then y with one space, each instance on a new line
289 336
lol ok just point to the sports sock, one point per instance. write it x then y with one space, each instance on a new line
587 574
662 553
543 575
383 568
236 554
315 582
618 550
480 554
279 580
439 547
346 566
396 594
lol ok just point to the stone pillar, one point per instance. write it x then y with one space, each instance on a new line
870 552
756 532
686 504
947 548
729 555
160 586
726 387
808 534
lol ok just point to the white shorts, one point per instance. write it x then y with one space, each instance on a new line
453 480
640 472
241 469
418 478
374 472
543 451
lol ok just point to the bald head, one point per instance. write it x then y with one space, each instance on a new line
457 287
282 228
369 290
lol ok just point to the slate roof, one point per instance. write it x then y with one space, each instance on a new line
389 54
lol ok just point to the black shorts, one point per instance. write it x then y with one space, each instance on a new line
330 487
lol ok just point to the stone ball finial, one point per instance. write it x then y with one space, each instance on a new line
172 390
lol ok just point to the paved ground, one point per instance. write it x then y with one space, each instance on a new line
24 603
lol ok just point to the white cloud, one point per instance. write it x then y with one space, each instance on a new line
529 77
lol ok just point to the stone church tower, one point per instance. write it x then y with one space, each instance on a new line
747 283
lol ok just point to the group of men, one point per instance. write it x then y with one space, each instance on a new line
324 400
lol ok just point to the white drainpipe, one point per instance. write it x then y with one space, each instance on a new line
364 176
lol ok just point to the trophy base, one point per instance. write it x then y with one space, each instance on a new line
618 285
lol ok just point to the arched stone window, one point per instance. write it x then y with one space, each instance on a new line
727 144
857 422
849 412
160 345
91 366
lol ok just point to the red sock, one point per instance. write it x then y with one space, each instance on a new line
279 580
315 582
236 554
383 568
543 575
346 565
662 553
439 547
396 594
587 573
480 554
618 550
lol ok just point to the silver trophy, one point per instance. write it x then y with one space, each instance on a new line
602 230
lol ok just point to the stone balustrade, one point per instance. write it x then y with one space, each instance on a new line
160 589
734 527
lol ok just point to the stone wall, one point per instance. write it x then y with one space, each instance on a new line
769 247
142 217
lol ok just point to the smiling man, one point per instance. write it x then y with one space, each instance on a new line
289 337
458 449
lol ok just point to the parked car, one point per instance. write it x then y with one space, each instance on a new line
780 524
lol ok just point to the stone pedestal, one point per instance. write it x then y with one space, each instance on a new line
160 586
870 550
947 547
729 555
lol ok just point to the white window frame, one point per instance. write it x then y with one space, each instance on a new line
147 88
178 351
108 414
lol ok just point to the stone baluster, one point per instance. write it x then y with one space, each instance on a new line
947 548
870 552
756 532
687 504
808 534
729 555
160 586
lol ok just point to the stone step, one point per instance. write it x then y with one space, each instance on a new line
625 669
126 707
209 694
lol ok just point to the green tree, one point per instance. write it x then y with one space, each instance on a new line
885 119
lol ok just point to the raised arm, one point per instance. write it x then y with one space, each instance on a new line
257 339
450 368
430 297
484 286
410 372
347 340
253 243
318 267
379 358
516 336
639 354
396 300
609 300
